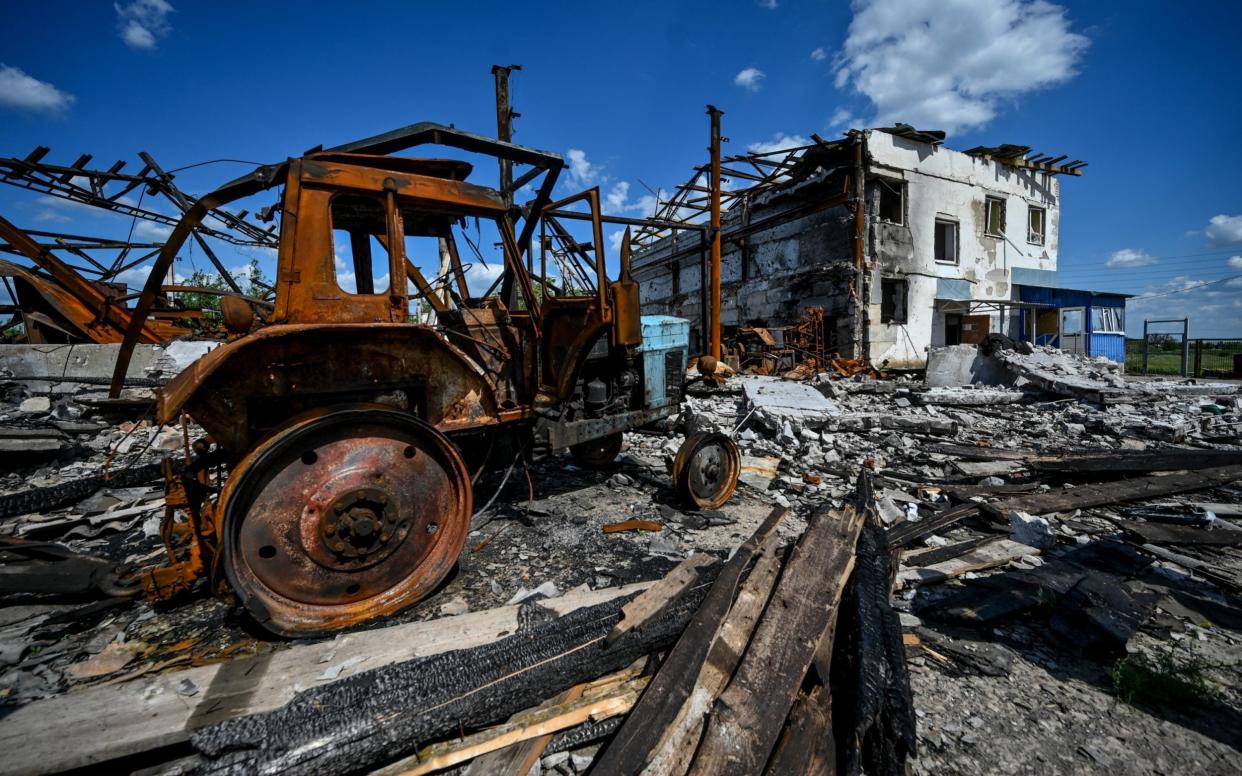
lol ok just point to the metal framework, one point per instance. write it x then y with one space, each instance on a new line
128 195
691 201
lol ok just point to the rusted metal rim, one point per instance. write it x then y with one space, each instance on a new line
598 453
706 469
343 515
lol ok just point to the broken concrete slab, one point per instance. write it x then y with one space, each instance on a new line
968 396
963 365
776 402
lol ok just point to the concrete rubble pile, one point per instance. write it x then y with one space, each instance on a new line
1068 540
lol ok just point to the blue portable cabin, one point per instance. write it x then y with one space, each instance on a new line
1075 320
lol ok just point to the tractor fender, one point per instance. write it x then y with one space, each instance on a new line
240 391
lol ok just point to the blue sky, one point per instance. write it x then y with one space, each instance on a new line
1144 91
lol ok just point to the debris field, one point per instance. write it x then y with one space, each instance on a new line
1062 545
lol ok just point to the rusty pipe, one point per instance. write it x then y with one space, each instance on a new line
715 114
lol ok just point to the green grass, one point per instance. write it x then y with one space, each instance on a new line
1142 681
1168 361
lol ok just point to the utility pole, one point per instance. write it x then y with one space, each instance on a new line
504 124
715 114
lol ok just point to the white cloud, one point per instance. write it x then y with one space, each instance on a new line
749 78
479 278
345 277
1224 230
136 277
614 242
843 117
647 204
49 216
771 5
581 171
950 64
142 23
819 54
24 92
779 142
150 231
1129 257
1235 262
616 198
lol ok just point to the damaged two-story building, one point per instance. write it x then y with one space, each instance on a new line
905 244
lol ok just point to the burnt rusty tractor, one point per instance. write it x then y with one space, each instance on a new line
343 437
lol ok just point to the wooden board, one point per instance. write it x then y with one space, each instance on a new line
931 555
903 534
631 747
748 717
1136 489
671 757
997 553
1173 459
608 700
1158 533
149 712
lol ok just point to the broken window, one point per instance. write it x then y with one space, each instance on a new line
359 241
995 217
892 300
1036 218
1108 320
892 201
946 241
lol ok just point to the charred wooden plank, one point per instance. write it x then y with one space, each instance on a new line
1182 534
656 598
873 711
112 721
978 452
749 714
903 534
1169 459
997 553
389 712
668 692
52 496
602 702
991 598
931 555
1136 489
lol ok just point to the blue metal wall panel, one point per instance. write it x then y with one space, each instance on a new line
1068 297
1111 346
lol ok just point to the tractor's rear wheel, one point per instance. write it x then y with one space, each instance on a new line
343 515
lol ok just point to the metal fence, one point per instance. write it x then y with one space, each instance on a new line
1163 355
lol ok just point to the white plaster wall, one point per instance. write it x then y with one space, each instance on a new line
941 182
